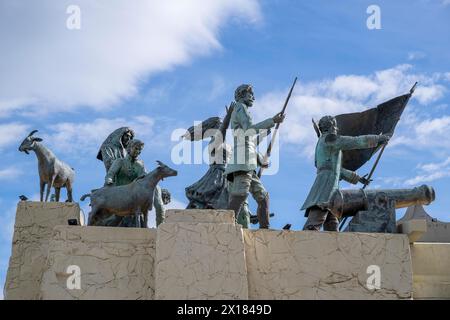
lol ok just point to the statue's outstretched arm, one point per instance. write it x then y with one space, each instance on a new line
243 120
351 143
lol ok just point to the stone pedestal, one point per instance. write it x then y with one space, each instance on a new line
200 255
33 231
114 263
327 265
203 254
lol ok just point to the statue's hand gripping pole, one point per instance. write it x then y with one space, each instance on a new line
269 148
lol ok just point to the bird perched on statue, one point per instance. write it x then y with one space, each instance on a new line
23 198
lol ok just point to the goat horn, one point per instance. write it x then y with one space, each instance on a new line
32 132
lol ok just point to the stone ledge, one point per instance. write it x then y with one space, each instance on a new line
437 231
45 214
199 216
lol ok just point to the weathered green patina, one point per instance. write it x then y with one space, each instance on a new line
125 170
328 162
245 134
242 167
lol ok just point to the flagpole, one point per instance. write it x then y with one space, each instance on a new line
411 91
374 166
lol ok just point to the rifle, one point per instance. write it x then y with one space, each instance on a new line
226 121
269 148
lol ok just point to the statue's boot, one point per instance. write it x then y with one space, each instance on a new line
263 213
331 223
235 204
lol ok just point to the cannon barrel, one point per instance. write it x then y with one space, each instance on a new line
349 202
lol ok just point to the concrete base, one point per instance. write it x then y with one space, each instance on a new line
33 231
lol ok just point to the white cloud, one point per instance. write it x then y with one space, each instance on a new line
176 204
431 172
9 173
12 133
351 93
82 138
416 55
431 167
427 133
436 126
120 42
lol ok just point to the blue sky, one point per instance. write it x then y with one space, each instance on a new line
159 67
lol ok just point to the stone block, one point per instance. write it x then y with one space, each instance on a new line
114 263
326 265
200 261
33 230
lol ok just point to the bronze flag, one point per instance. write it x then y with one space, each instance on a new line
380 120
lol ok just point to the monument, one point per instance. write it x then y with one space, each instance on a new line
207 250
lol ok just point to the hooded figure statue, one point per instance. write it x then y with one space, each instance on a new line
114 146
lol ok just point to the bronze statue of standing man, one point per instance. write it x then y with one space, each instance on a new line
241 170
328 161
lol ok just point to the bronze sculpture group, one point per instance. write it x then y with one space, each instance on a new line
345 143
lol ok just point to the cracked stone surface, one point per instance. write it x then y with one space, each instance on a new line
200 216
33 230
431 269
192 260
115 263
200 261
326 265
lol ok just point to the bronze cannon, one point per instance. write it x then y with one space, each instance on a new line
374 210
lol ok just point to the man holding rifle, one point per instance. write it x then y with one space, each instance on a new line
241 170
